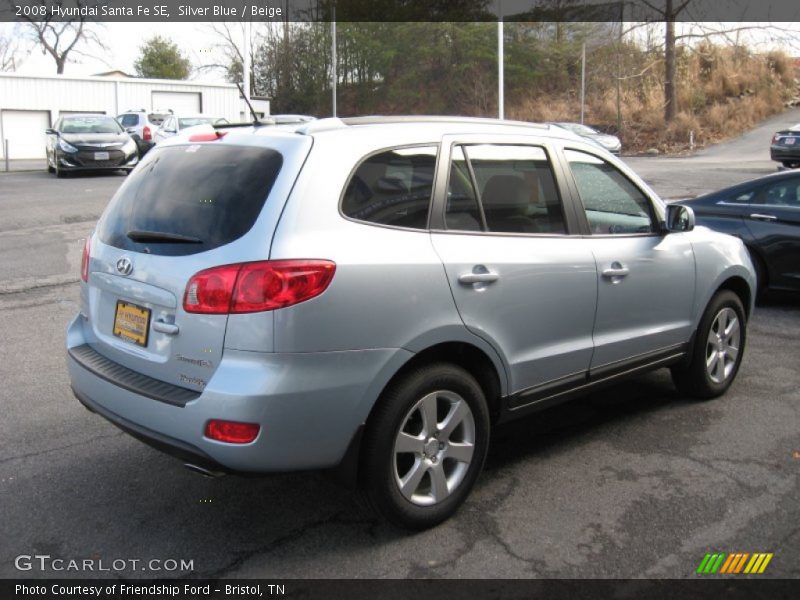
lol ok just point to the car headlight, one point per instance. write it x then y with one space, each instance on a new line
66 146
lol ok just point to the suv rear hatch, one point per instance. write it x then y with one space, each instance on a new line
186 208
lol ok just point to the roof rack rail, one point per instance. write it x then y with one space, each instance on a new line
407 119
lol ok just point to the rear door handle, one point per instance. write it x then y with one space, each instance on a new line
470 278
760 217
616 270
164 327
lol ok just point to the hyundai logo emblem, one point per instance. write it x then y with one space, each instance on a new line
125 266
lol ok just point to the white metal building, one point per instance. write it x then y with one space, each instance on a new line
29 104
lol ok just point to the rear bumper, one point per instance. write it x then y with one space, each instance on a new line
309 406
784 153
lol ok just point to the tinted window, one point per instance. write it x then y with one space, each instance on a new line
213 193
129 120
516 188
392 188
612 203
783 193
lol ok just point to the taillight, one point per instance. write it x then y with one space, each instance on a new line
256 286
232 432
146 135
775 138
85 258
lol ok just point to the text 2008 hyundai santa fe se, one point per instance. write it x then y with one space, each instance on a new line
374 294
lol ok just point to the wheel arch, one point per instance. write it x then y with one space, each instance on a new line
488 371
741 288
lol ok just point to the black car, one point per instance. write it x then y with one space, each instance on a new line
785 147
765 214
89 142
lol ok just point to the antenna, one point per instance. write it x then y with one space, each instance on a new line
250 106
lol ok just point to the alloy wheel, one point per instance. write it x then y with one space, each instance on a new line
433 448
722 346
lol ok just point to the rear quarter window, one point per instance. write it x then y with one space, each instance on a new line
211 193
392 188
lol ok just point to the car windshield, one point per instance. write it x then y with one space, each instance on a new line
90 125
191 121
578 128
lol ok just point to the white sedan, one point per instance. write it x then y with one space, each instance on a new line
174 124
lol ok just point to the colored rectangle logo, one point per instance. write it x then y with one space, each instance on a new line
734 563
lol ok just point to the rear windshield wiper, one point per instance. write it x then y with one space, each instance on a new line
162 237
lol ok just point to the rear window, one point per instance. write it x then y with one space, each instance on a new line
128 120
206 195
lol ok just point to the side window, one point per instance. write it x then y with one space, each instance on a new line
516 190
392 188
612 203
740 198
782 193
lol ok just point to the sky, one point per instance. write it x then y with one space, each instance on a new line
196 40
123 41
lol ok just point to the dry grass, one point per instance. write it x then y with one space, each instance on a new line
722 92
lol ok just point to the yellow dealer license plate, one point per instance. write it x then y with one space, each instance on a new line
132 323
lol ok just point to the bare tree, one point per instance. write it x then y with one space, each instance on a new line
225 54
12 51
65 39
675 11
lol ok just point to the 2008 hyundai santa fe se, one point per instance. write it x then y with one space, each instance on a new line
375 294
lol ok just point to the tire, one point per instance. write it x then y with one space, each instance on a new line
59 173
435 461
698 379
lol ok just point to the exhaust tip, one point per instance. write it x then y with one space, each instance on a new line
203 471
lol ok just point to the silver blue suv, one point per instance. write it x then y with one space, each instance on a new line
375 294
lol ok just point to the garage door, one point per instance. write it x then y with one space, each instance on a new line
177 102
24 130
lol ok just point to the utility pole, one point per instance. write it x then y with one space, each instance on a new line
334 65
583 79
500 65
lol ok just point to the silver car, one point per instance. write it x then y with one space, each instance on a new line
610 142
376 294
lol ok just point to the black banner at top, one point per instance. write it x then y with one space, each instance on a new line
399 10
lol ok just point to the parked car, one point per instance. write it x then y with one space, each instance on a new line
785 147
609 142
290 119
141 125
89 142
765 214
174 124
376 294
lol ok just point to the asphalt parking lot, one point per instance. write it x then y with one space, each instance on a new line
635 481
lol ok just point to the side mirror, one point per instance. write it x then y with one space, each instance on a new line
50 131
130 130
679 218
